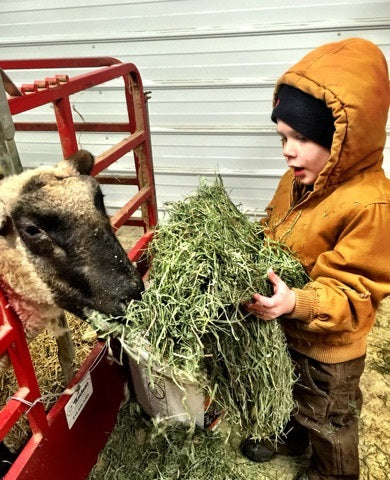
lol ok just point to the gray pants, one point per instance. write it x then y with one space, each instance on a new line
328 405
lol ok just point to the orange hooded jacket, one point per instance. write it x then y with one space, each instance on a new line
340 230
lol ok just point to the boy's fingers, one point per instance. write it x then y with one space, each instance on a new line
272 276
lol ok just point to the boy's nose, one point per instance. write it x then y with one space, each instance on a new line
288 150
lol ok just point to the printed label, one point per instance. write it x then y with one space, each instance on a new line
78 400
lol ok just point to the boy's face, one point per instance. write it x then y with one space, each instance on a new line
304 157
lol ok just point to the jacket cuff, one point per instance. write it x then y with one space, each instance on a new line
305 302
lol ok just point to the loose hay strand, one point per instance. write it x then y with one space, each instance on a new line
208 259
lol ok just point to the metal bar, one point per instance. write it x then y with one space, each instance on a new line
75 84
131 206
66 130
78 126
7 336
143 155
12 411
41 63
135 222
139 248
117 151
116 180
24 371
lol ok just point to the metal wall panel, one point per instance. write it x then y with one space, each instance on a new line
211 67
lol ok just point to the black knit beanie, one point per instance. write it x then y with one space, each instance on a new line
305 114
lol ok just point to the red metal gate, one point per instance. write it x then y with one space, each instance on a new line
60 448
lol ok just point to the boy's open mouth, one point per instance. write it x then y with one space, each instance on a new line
298 170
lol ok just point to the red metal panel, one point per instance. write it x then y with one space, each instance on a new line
12 411
54 449
57 90
69 453
25 375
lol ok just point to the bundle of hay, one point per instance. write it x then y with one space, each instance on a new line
208 259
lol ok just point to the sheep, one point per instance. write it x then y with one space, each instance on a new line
57 247
58 251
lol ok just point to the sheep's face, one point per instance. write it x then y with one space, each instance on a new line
58 221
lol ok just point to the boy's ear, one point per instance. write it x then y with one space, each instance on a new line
80 163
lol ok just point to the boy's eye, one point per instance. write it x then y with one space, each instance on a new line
283 140
301 138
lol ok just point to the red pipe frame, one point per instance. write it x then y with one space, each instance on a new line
57 90
138 126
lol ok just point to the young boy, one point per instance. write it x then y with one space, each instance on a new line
332 208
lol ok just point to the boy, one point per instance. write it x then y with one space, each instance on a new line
332 208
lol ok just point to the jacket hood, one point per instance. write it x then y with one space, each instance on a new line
351 77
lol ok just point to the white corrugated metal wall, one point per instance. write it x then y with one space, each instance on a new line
211 66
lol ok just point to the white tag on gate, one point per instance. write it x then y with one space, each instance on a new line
78 400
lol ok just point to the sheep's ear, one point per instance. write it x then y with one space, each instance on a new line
80 162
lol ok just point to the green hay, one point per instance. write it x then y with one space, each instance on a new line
139 449
207 259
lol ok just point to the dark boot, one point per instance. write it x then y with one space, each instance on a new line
257 451
294 444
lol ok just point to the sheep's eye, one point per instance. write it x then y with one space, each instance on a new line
36 239
32 230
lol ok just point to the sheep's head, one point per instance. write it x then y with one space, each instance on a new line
54 220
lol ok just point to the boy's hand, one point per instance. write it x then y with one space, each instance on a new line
282 302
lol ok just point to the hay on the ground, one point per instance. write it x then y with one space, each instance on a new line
141 449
